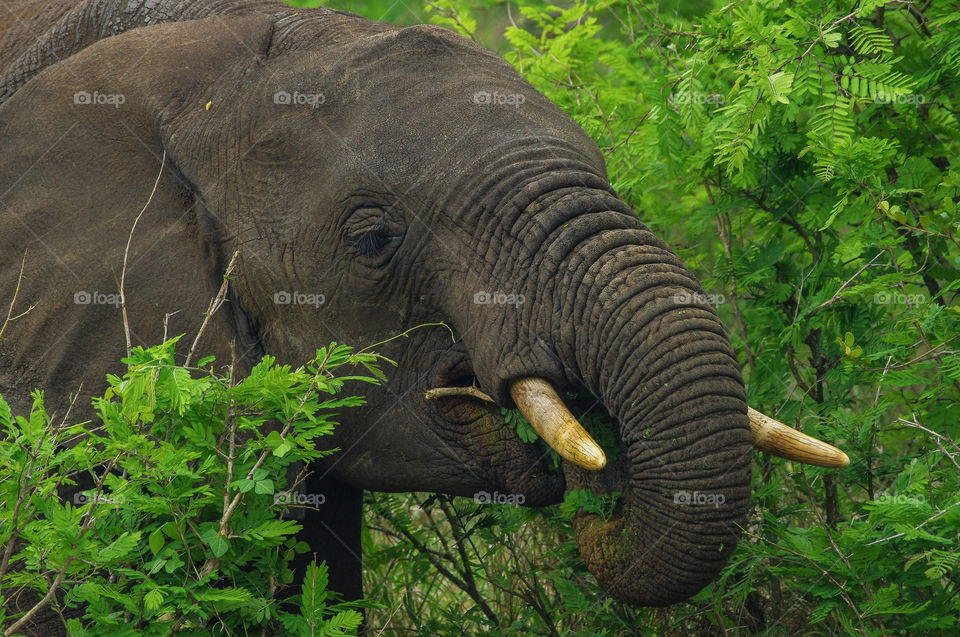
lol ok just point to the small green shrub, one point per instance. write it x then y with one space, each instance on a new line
181 531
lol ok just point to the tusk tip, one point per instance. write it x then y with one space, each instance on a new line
592 459
842 460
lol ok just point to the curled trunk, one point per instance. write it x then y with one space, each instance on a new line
627 319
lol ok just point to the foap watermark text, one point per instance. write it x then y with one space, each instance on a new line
686 298
898 298
498 298
694 97
903 98
297 98
296 498
698 498
886 497
84 98
499 99
87 497
299 298
96 298
485 497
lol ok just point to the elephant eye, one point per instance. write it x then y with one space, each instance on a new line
369 244
374 234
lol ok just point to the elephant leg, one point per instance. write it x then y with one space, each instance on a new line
332 530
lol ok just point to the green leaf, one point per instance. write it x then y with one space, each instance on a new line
122 546
217 543
153 599
156 541
6 418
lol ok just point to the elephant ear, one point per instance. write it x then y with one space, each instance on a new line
86 145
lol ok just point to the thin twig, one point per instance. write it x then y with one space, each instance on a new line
88 521
473 392
927 521
126 255
10 318
836 295
938 438
166 318
214 305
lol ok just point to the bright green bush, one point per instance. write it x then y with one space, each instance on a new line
804 159
182 531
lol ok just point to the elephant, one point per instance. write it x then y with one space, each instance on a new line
370 179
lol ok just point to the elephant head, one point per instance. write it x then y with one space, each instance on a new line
373 180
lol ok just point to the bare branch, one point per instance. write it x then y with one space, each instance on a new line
10 318
215 304
836 295
472 392
126 255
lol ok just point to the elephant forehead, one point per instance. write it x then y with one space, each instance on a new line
419 41
419 61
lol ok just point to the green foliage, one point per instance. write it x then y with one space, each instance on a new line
589 502
452 566
804 160
184 528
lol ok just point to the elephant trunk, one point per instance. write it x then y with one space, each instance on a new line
618 312
607 305
657 356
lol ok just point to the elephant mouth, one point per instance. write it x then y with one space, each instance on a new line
555 425
512 464
456 387
528 464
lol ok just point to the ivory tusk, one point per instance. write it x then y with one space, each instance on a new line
541 405
780 440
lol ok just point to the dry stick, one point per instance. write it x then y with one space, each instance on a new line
43 602
232 453
467 572
214 305
922 524
166 318
21 497
10 318
938 438
387 623
823 572
868 461
915 359
443 392
836 295
896 266
827 529
432 555
723 226
126 254
231 457
529 593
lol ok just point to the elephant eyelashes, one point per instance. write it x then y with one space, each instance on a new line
373 233
370 244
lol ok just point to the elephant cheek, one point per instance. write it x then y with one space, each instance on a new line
506 463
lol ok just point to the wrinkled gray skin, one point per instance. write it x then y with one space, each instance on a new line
398 198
